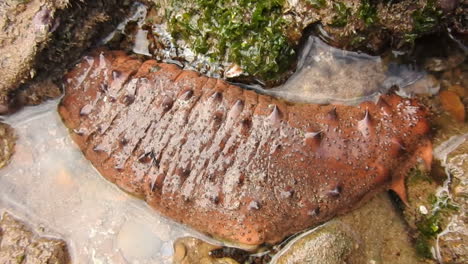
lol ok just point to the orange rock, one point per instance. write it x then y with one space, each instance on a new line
452 103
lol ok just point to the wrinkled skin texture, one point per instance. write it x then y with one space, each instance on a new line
229 162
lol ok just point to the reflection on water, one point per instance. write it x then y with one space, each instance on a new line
50 184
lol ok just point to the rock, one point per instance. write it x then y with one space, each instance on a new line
39 39
188 250
327 244
7 143
454 238
37 92
438 201
374 233
18 244
371 26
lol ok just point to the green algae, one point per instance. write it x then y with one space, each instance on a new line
248 33
425 20
318 4
342 13
431 223
367 12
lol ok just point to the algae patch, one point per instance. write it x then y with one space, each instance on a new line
247 33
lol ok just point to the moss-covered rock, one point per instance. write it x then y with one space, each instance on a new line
262 37
248 33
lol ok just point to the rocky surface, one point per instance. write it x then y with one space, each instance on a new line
188 250
40 38
7 143
374 233
19 245
201 148
372 25
272 31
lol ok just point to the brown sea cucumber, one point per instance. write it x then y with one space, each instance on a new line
230 162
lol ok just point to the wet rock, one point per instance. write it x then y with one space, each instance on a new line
437 201
20 245
7 143
37 92
39 39
371 26
327 244
453 239
188 250
374 233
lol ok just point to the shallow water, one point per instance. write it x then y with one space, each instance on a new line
329 75
50 185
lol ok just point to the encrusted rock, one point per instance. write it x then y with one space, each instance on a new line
20 245
7 143
40 38
188 250
374 233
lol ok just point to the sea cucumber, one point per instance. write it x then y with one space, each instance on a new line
229 162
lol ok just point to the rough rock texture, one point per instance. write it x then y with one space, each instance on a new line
19 245
188 250
454 238
232 163
7 143
40 38
257 38
352 238
326 245
371 25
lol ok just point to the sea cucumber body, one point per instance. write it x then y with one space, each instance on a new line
229 162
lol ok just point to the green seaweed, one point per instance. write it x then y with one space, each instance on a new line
416 175
423 247
246 32
317 3
342 14
367 12
425 20
432 224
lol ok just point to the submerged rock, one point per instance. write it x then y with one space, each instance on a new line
188 250
453 239
19 245
327 244
437 201
374 233
39 39
229 162
7 143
